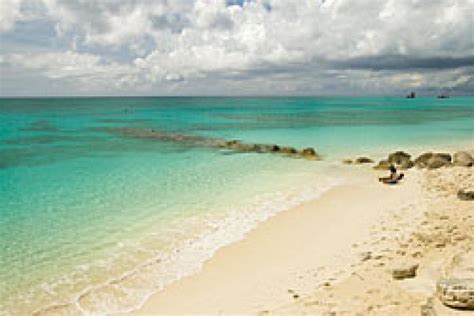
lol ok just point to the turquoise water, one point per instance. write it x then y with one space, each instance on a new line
93 222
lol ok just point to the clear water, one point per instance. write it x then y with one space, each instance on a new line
93 222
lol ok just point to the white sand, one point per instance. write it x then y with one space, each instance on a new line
290 257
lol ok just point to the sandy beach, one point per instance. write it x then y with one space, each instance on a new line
336 255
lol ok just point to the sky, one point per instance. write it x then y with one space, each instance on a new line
236 47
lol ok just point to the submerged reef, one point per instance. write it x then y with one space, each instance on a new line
201 141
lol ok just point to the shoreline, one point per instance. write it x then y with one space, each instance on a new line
221 286
310 237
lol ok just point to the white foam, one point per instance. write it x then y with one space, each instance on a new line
189 255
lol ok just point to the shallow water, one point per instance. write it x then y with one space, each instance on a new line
94 221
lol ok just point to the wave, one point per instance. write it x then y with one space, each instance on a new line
130 290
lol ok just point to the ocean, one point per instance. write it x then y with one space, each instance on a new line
93 221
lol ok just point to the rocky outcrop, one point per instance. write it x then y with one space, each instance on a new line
196 140
458 293
362 160
404 270
462 159
399 157
466 194
457 288
433 160
422 160
401 160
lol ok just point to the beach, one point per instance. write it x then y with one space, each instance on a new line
144 206
335 255
236 157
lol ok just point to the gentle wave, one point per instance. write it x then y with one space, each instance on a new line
130 290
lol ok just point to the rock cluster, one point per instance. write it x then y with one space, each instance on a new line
429 160
196 140
457 288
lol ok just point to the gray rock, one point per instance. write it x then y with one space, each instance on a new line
466 195
399 157
457 293
433 160
456 289
404 271
422 160
434 163
362 160
462 159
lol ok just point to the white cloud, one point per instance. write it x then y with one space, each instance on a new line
88 69
9 13
176 41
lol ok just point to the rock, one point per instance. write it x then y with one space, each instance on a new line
404 270
362 160
274 148
435 164
433 160
288 150
259 148
458 293
308 152
439 160
422 160
466 195
382 165
456 289
399 158
347 161
197 140
462 159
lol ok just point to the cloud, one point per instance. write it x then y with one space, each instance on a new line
165 46
9 13
90 70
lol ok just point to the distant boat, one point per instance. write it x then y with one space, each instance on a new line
412 95
443 96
